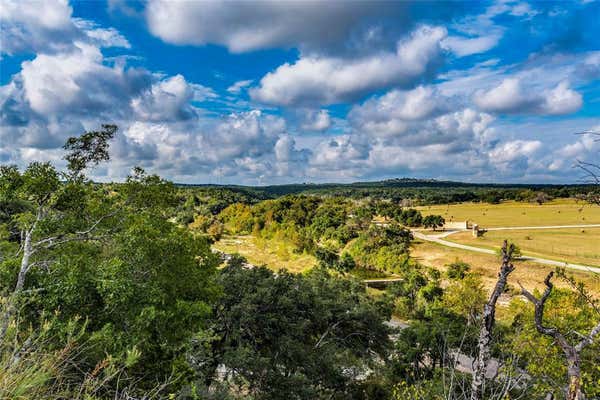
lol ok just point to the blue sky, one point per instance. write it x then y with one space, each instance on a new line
277 92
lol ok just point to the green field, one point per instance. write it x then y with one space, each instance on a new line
572 245
511 213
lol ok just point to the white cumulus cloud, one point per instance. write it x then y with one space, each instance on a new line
511 97
328 80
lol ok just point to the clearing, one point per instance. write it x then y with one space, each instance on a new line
271 253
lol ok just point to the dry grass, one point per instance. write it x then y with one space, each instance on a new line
571 245
511 213
529 274
271 253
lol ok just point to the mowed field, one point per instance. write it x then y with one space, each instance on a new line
576 245
511 213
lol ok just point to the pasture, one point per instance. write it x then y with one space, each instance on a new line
576 245
512 213
530 274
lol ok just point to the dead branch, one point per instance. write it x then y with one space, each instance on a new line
572 353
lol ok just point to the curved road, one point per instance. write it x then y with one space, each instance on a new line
439 239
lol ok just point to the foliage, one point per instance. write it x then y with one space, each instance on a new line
457 270
382 248
543 360
515 251
466 297
284 335
107 255
90 148
433 221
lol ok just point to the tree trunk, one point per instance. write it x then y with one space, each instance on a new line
574 373
487 326
11 306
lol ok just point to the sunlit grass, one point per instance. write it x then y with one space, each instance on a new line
511 213
274 254
530 274
569 245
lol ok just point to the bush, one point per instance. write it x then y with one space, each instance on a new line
457 270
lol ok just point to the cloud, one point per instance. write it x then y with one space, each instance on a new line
78 82
247 144
169 100
341 156
237 87
102 37
416 104
514 155
420 117
315 120
290 160
510 98
465 46
395 114
244 26
36 26
329 80
48 27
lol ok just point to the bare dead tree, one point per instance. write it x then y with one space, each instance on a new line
488 322
572 352
591 171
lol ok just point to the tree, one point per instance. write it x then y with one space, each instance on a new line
108 259
466 297
327 258
572 352
54 214
457 270
591 173
541 198
346 262
89 149
280 336
433 221
382 248
488 322
411 217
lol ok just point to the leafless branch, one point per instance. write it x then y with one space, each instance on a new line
572 353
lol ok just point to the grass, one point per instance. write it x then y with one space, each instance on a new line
572 245
530 274
271 253
511 213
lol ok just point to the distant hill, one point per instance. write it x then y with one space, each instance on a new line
407 183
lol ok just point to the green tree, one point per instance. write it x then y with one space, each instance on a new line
457 270
53 214
433 221
283 336
107 256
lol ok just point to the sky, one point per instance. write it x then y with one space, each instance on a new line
275 92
